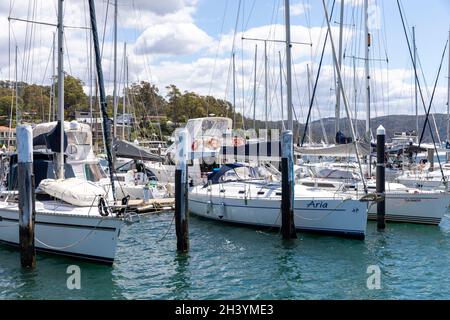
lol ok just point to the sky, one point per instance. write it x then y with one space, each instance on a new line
190 43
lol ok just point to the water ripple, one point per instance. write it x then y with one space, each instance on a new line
229 262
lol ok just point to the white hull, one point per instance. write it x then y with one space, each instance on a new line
334 215
423 208
65 230
402 204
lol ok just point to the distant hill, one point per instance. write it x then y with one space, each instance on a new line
393 123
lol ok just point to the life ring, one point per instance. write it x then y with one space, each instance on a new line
195 145
213 143
237 142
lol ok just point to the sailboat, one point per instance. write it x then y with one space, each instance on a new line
238 193
72 217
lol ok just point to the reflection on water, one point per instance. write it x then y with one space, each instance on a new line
229 262
179 281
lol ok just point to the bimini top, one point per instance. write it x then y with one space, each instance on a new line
237 172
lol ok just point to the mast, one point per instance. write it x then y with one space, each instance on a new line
281 91
12 102
91 100
234 90
415 81
265 84
17 92
355 93
366 62
309 99
126 94
60 155
290 125
115 70
125 76
254 88
103 102
52 86
448 91
344 98
338 93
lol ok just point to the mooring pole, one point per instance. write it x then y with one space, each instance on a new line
26 196
287 186
181 194
431 159
381 178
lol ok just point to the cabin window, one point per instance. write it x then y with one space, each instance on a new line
93 172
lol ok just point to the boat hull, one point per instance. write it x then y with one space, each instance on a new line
420 208
90 238
345 217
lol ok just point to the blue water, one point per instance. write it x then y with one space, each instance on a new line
230 262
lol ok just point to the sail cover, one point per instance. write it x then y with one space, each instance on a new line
272 149
48 136
341 150
125 149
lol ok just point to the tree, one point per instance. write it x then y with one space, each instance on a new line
147 100
74 97
36 101
5 109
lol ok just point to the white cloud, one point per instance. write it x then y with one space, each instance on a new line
297 9
167 47
172 39
163 7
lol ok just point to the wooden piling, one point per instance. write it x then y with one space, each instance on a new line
287 186
26 196
181 194
381 178
431 159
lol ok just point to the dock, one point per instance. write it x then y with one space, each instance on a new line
148 207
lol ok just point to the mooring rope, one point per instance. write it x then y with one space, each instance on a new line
168 230
71 245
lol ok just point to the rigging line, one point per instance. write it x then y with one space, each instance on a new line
104 29
380 64
317 80
67 54
148 71
428 96
230 64
250 14
46 23
420 88
434 90
218 47
385 44
424 79
88 46
242 69
11 5
31 45
46 67
26 43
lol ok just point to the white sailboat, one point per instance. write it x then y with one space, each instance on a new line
403 204
236 193
89 232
